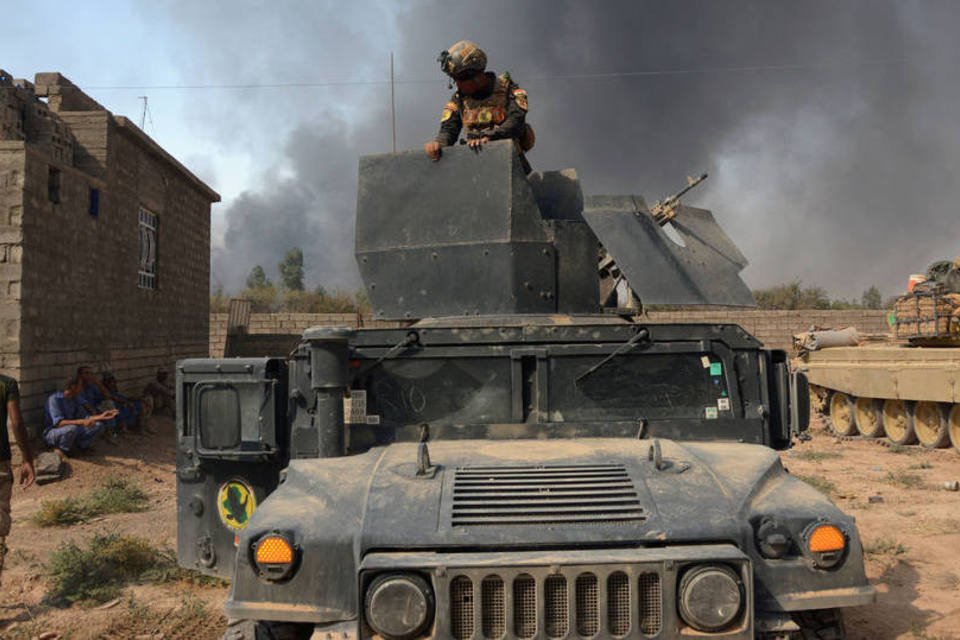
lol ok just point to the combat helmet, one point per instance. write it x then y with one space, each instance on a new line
462 58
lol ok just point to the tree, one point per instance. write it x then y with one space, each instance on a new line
291 270
257 279
871 299
791 296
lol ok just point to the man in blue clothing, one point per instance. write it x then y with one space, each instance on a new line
96 398
130 409
67 425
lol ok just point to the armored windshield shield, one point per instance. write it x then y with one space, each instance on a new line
701 266
466 236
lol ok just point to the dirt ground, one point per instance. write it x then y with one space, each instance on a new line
174 610
909 523
910 530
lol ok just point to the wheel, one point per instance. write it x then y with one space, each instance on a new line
869 416
822 624
953 426
930 424
842 421
898 422
818 399
264 630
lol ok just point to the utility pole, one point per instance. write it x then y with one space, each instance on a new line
393 108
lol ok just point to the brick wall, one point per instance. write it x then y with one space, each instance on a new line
11 253
776 328
270 333
69 287
276 330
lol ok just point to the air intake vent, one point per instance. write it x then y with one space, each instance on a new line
538 603
587 494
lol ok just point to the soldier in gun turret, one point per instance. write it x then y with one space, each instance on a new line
485 105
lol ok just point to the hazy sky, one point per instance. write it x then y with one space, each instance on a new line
830 128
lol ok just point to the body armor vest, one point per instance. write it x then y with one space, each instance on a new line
477 114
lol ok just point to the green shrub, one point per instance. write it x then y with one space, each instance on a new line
115 495
100 569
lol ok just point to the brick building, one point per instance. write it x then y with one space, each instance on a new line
104 244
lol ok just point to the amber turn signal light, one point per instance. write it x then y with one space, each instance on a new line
826 538
274 549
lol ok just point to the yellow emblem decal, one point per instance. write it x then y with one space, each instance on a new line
236 503
521 97
485 116
448 110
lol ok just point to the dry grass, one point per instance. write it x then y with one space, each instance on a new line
115 495
817 456
820 484
884 547
905 480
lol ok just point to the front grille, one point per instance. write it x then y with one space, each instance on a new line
618 603
524 606
556 612
537 495
588 615
461 608
492 604
556 603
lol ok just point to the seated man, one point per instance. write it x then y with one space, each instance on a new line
160 394
67 425
95 395
129 409
95 398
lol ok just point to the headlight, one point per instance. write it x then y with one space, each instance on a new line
274 556
399 606
825 544
711 597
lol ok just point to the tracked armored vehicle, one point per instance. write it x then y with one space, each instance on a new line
513 462
904 388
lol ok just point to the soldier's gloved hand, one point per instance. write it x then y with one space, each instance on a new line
432 149
477 143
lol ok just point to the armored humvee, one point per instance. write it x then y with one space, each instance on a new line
510 461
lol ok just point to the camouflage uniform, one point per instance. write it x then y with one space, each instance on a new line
499 113
8 391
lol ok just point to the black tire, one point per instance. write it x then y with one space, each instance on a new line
264 630
823 624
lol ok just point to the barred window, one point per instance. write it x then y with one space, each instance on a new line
148 250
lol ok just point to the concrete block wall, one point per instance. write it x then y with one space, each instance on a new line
69 286
11 253
774 328
271 325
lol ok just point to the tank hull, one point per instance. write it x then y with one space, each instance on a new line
911 395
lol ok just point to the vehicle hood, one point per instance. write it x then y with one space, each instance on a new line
698 494
339 510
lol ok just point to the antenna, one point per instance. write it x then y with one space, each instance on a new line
393 109
146 115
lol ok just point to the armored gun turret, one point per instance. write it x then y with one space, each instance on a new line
524 244
512 462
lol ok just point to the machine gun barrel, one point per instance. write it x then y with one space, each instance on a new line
666 210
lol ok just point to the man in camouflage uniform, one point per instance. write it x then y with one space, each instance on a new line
10 410
486 106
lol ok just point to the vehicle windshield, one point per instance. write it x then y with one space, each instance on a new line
486 390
